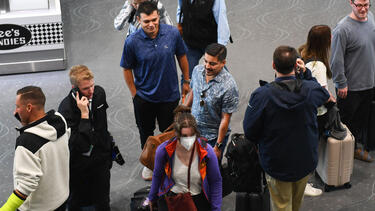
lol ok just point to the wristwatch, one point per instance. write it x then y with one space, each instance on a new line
186 81
218 145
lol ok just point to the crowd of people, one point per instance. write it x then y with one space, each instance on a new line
63 159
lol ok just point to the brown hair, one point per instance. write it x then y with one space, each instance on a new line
284 59
33 95
79 73
184 119
317 46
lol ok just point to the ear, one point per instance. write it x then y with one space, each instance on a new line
273 65
224 62
29 107
138 18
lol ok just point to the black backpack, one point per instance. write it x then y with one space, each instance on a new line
243 164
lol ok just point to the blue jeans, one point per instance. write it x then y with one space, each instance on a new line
193 55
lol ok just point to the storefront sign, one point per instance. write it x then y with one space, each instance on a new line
13 36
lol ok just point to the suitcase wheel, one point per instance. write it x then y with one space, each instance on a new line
328 188
347 185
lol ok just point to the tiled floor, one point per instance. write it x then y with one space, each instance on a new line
257 27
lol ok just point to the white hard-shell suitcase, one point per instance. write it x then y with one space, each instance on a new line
335 165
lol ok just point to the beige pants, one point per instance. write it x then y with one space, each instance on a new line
286 196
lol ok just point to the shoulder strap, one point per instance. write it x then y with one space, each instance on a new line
190 161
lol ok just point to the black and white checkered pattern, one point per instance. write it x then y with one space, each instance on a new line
46 34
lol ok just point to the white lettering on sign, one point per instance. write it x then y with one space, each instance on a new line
13 36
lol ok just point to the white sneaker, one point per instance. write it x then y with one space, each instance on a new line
311 191
147 174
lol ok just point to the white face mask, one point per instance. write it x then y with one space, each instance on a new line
187 142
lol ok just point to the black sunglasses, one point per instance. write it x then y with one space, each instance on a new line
203 95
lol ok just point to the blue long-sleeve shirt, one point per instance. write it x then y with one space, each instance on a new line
219 10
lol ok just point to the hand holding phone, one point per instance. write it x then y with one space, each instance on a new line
300 65
82 104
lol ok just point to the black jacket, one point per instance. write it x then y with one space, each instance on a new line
198 25
87 132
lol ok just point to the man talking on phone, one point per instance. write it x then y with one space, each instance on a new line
281 118
90 143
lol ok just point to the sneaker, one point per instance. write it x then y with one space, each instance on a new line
311 191
147 174
363 155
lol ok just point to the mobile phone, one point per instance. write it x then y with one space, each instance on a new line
74 93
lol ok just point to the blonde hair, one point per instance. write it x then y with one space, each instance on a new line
79 73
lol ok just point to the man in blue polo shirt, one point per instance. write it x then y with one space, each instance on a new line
150 72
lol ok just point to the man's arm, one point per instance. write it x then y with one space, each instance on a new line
189 101
178 19
81 137
184 66
337 62
164 16
129 79
178 12
219 10
253 121
14 201
27 174
223 128
121 20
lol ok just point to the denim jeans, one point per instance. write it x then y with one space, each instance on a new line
193 56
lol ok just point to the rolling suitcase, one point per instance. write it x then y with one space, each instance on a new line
335 164
253 201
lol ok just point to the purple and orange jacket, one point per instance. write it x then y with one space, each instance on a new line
162 180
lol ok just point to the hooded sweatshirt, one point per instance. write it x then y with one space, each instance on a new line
41 163
281 118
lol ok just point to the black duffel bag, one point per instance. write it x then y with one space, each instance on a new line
243 165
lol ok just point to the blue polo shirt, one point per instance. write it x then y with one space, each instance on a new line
153 63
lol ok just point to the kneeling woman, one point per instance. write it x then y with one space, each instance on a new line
172 175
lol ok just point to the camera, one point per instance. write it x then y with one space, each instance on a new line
116 155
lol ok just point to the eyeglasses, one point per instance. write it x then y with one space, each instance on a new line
203 95
360 6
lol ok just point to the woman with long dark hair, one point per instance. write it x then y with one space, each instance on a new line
315 52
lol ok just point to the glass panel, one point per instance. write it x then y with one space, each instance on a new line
4 6
16 5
